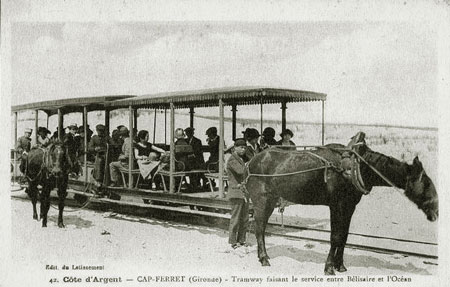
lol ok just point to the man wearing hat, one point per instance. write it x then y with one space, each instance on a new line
237 195
23 147
251 135
285 141
71 143
43 140
213 141
268 138
196 158
183 150
98 146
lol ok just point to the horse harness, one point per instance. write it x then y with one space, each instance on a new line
44 166
349 168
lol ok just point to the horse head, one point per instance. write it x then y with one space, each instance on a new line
58 160
421 190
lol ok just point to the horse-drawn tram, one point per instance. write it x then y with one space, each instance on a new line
333 175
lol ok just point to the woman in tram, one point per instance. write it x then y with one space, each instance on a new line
286 141
251 136
268 138
144 153
43 140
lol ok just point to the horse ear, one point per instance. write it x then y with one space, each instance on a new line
416 162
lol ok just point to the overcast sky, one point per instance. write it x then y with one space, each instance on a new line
373 71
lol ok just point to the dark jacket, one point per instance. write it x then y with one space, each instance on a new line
198 152
214 149
97 141
184 153
236 174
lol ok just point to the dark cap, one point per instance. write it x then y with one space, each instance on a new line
100 127
211 131
123 131
189 130
43 130
240 142
287 132
251 133
269 132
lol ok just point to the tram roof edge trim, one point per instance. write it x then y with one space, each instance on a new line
210 97
70 105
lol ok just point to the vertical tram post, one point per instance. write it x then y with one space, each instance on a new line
191 117
131 155
233 121
323 122
172 149
283 116
85 126
221 149
60 124
36 125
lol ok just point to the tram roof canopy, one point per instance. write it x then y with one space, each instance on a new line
70 105
210 97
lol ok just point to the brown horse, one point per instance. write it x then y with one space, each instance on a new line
275 173
48 168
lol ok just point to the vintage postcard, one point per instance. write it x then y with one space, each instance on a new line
224 143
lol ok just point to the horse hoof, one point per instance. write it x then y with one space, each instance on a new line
329 271
341 268
44 225
265 262
35 217
61 225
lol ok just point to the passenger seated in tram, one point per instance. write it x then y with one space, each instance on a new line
286 141
71 144
55 134
197 159
81 147
123 159
115 147
213 141
145 155
268 138
43 140
251 137
98 146
183 150
23 148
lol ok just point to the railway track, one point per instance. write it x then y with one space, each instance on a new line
366 242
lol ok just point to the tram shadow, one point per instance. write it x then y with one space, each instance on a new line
309 255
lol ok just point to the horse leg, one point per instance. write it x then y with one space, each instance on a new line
62 193
33 194
263 208
45 203
335 238
347 217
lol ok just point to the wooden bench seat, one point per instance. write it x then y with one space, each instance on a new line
178 174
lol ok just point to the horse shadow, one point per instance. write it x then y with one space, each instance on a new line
352 261
77 221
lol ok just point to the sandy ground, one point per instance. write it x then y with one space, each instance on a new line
129 247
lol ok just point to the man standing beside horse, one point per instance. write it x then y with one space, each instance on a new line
23 148
237 196
99 146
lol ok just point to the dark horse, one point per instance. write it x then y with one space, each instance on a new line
48 168
329 187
